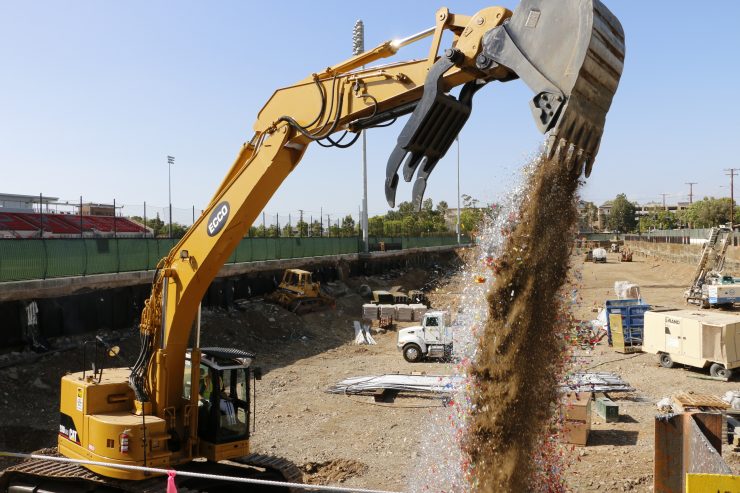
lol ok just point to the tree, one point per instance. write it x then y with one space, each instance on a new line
708 212
470 220
302 227
622 215
375 226
160 229
316 228
658 219
348 226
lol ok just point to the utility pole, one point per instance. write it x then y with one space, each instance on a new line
300 223
664 195
691 191
731 172
170 162
457 227
358 46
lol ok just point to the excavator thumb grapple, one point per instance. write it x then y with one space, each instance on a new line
569 52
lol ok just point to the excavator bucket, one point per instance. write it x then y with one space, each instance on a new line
571 54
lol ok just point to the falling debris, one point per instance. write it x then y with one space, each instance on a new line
515 376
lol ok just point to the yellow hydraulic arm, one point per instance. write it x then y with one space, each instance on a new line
536 43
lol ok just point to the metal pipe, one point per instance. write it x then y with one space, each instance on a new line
400 43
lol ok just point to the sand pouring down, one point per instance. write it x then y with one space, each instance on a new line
520 350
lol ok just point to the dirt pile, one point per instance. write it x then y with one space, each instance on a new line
517 368
332 471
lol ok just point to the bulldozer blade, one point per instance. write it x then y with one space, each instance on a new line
571 54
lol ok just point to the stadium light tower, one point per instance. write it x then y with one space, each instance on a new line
358 47
170 162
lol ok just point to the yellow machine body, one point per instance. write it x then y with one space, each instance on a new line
299 293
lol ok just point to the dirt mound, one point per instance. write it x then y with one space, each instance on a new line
517 368
332 471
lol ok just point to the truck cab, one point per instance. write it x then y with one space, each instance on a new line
431 339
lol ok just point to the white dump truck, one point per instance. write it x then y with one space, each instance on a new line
431 339
700 339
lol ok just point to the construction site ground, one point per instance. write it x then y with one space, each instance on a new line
352 440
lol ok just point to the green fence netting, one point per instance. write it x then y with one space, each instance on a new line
26 259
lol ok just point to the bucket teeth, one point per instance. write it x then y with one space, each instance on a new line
570 48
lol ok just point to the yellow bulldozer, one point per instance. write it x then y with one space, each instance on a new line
298 293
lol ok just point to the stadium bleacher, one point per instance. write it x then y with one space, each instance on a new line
22 223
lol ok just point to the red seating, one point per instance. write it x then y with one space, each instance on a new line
66 224
11 222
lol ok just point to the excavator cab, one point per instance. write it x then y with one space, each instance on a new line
226 380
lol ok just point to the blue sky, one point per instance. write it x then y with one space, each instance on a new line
95 94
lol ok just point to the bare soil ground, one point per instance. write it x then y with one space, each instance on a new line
339 439
619 456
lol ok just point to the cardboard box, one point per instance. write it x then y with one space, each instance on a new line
576 411
576 432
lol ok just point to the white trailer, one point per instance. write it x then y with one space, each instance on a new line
699 339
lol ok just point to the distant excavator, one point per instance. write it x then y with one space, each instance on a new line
569 52
711 287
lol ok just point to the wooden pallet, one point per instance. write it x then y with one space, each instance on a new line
705 402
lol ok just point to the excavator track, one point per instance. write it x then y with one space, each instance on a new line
278 465
40 476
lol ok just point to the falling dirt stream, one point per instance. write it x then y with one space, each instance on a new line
515 373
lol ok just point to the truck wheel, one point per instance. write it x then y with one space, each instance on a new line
412 353
719 371
666 361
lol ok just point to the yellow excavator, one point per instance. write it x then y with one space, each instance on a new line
161 412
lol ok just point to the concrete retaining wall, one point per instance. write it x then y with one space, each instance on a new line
688 254
75 305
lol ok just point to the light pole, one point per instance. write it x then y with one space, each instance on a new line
170 162
358 46
457 227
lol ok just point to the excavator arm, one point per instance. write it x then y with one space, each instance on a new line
570 53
